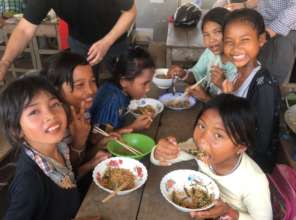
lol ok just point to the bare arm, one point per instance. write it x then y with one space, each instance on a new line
98 50
122 25
19 39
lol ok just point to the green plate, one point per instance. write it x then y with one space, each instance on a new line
141 142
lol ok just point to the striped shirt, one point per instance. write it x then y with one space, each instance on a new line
280 16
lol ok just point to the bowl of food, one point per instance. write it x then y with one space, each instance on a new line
189 190
114 172
140 142
161 79
177 101
146 106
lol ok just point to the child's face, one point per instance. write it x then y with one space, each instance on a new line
138 87
84 89
43 121
211 137
242 43
213 37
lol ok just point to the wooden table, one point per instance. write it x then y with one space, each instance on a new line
147 203
183 44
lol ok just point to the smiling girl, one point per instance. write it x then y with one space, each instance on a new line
35 119
71 74
225 130
212 64
244 35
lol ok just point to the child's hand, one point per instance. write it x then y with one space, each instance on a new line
176 70
142 122
220 209
166 149
80 127
100 156
199 93
228 86
217 76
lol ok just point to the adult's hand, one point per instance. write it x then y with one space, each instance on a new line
97 51
18 40
4 66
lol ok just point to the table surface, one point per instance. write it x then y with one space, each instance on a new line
147 202
179 37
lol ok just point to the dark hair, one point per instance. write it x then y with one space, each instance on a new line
132 64
59 68
15 97
238 118
249 16
217 15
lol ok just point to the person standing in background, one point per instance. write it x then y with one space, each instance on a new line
97 28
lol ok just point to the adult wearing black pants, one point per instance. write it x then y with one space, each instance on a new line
97 28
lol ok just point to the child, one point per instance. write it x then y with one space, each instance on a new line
224 131
132 77
35 119
72 75
212 64
244 34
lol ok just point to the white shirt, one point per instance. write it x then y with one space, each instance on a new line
246 189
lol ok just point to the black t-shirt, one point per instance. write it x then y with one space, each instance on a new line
88 20
33 195
264 96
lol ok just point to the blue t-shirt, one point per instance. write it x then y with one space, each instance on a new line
203 68
109 106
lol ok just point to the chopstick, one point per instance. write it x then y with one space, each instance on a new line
104 133
194 86
111 195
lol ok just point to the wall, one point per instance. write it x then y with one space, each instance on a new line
153 16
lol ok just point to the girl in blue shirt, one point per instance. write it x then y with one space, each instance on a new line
132 77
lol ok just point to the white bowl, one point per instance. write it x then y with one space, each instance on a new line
168 97
178 179
162 83
137 168
154 103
